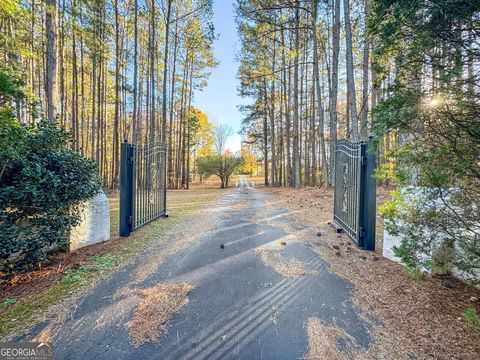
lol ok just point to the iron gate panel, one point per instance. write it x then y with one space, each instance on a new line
355 192
347 190
142 185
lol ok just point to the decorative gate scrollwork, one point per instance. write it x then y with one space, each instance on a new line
142 185
345 188
355 192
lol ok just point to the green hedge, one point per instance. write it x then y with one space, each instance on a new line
42 184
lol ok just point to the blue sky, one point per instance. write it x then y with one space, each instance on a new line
219 99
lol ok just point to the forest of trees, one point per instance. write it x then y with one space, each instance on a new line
308 66
315 71
405 74
113 70
318 70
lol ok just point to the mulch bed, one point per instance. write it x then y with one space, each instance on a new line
21 286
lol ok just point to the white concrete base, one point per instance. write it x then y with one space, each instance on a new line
94 225
390 241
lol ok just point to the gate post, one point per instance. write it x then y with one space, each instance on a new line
165 179
126 189
368 198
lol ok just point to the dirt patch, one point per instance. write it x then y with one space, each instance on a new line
413 319
153 313
61 312
289 268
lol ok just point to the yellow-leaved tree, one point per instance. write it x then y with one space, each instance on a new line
249 161
202 137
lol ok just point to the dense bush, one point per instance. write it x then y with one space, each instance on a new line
42 183
431 111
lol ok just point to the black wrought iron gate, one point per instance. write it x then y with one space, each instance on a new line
142 185
355 192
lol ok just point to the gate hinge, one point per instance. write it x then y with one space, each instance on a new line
130 220
364 161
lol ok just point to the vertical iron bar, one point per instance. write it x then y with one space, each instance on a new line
126 189
164 167
135 187
157 178
143 186
144 206
368 199
150 182
140 184
355 162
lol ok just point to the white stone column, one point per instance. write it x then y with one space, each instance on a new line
94 226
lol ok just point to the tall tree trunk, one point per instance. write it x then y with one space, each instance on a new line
265 133
281 149
93 112
186 126
318 91
135 74
99 109
82 86
61 60
75 82
334 92
272 121
366 61
172 101
296 152
51 62
116 119
165 70
32 50
181 122
285 87
352 99
302 114
152 73
312 134
187 145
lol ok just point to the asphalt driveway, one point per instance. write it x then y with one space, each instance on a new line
239 309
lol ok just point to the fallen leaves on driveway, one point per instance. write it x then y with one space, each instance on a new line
289 268
153 313
322 341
